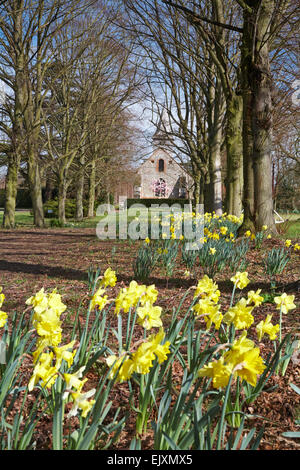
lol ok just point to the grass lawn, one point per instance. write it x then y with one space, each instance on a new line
289 229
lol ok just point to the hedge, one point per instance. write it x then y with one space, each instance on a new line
148 202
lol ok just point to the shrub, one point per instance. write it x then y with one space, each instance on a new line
51 209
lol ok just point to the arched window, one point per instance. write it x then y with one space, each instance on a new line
161 165
159 188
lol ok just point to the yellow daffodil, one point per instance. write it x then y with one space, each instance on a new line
245 360
64 353
74 380
240 345
207 287
239 315
240 279
288 243
81 401
129 297
55 303
223 230
250 366
265 326
43 371
218 371
149 316
255 298
205 306
150 295
98 300
285 302
123 365
214 317
146 353
3 318
212 251
109 278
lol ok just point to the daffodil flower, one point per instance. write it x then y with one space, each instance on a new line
81 401
109 278
285 302
266 327
3 318
240 279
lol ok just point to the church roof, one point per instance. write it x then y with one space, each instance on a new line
162 135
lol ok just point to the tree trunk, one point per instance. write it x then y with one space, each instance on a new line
197 197
248 195
80 191
62 196
17 136
11 188
234 180
92 190
262 119
215 172
35 186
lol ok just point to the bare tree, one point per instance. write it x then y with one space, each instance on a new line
87 101
262 21
27 31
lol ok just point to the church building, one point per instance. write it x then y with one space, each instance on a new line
160 175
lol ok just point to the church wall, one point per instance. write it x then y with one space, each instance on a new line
150 173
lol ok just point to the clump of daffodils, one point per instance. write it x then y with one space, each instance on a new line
135 294
49 355
208 295
47 310
240 358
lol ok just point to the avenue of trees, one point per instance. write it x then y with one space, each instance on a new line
223 72
69 82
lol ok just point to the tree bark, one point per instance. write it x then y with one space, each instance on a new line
11 187
92 190
62 196
234 147
17 136
262 120
215 171
35 185
80 191
248 194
